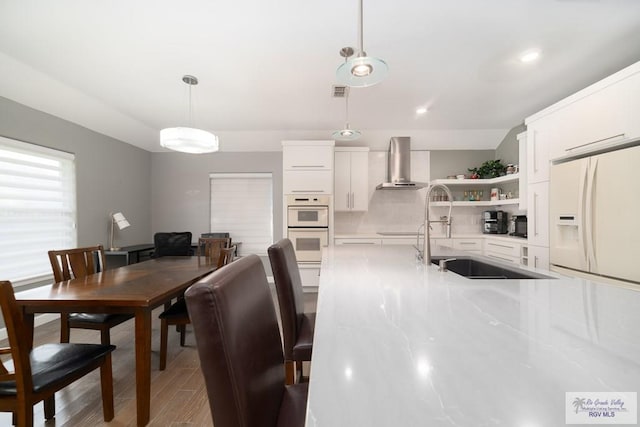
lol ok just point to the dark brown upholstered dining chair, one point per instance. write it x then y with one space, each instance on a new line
38 373
240 351
297 326
177 313
69 264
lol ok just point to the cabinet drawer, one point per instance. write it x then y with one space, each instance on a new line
400 241
505 258
467 244
364 241
445 243
307 182
307 157
309 276
502 248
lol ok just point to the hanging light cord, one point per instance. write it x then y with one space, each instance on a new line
190 111
346 103
360 35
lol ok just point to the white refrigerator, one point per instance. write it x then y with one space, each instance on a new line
595 214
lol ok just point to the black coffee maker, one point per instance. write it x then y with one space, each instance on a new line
495 222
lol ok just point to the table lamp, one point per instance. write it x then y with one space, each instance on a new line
122 223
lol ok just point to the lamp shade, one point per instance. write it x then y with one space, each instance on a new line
189 140
362 71
120 221
346 134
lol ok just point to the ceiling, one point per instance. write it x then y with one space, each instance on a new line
266 67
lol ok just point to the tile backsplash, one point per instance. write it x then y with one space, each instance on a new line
403 210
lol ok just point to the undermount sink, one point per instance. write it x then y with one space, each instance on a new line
475 269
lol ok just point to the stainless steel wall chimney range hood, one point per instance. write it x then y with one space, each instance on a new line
399 166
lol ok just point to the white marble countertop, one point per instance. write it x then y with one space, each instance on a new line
399 344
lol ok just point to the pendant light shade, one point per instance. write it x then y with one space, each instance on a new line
362 70
346 134
189 139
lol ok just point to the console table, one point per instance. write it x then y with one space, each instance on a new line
131 254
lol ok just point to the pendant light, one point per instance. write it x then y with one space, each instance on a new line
362 70
346 134
189 139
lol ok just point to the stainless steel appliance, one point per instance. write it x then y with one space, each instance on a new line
495 222
308 226
399 166
518 226
594 214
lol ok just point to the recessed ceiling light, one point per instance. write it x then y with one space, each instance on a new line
421 110
530 56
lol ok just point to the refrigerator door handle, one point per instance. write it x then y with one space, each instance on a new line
582 226
589 208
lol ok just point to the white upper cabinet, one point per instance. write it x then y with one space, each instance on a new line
307 155
307 167
351 179
601 114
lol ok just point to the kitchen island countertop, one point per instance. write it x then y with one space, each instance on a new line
400 344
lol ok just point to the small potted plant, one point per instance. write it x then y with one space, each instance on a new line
489 169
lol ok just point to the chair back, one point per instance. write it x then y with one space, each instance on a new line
238 340
226 255
172 244
210 247
19 347
69 264
289 289
218 235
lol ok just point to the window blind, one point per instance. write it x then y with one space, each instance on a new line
37 209
242 204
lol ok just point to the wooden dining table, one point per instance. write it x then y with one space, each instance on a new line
136 288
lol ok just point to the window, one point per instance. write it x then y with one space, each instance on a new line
37 209
242 204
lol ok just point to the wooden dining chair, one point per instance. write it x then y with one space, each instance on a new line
210 247
240 350
40 372
178 315
297 325
75 263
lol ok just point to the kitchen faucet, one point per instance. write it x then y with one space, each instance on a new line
425 254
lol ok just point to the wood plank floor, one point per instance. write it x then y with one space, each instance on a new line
178 394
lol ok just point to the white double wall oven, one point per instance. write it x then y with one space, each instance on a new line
308 225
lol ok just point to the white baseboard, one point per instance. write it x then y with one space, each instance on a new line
39 320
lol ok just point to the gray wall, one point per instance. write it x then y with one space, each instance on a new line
508 150
180 197
110 175
456 162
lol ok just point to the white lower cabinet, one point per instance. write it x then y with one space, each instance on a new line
535 256
357 241
502 250
310 275
470 245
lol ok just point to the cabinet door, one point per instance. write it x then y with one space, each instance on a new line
522 158
307 157
538 257
539 136
307 182
342 194
359 181
538 214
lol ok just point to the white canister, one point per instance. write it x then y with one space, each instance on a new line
495 194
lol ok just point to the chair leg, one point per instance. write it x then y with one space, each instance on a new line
183 330
290 372
24 414
105 338
64 327
164 330
106 382
50 407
